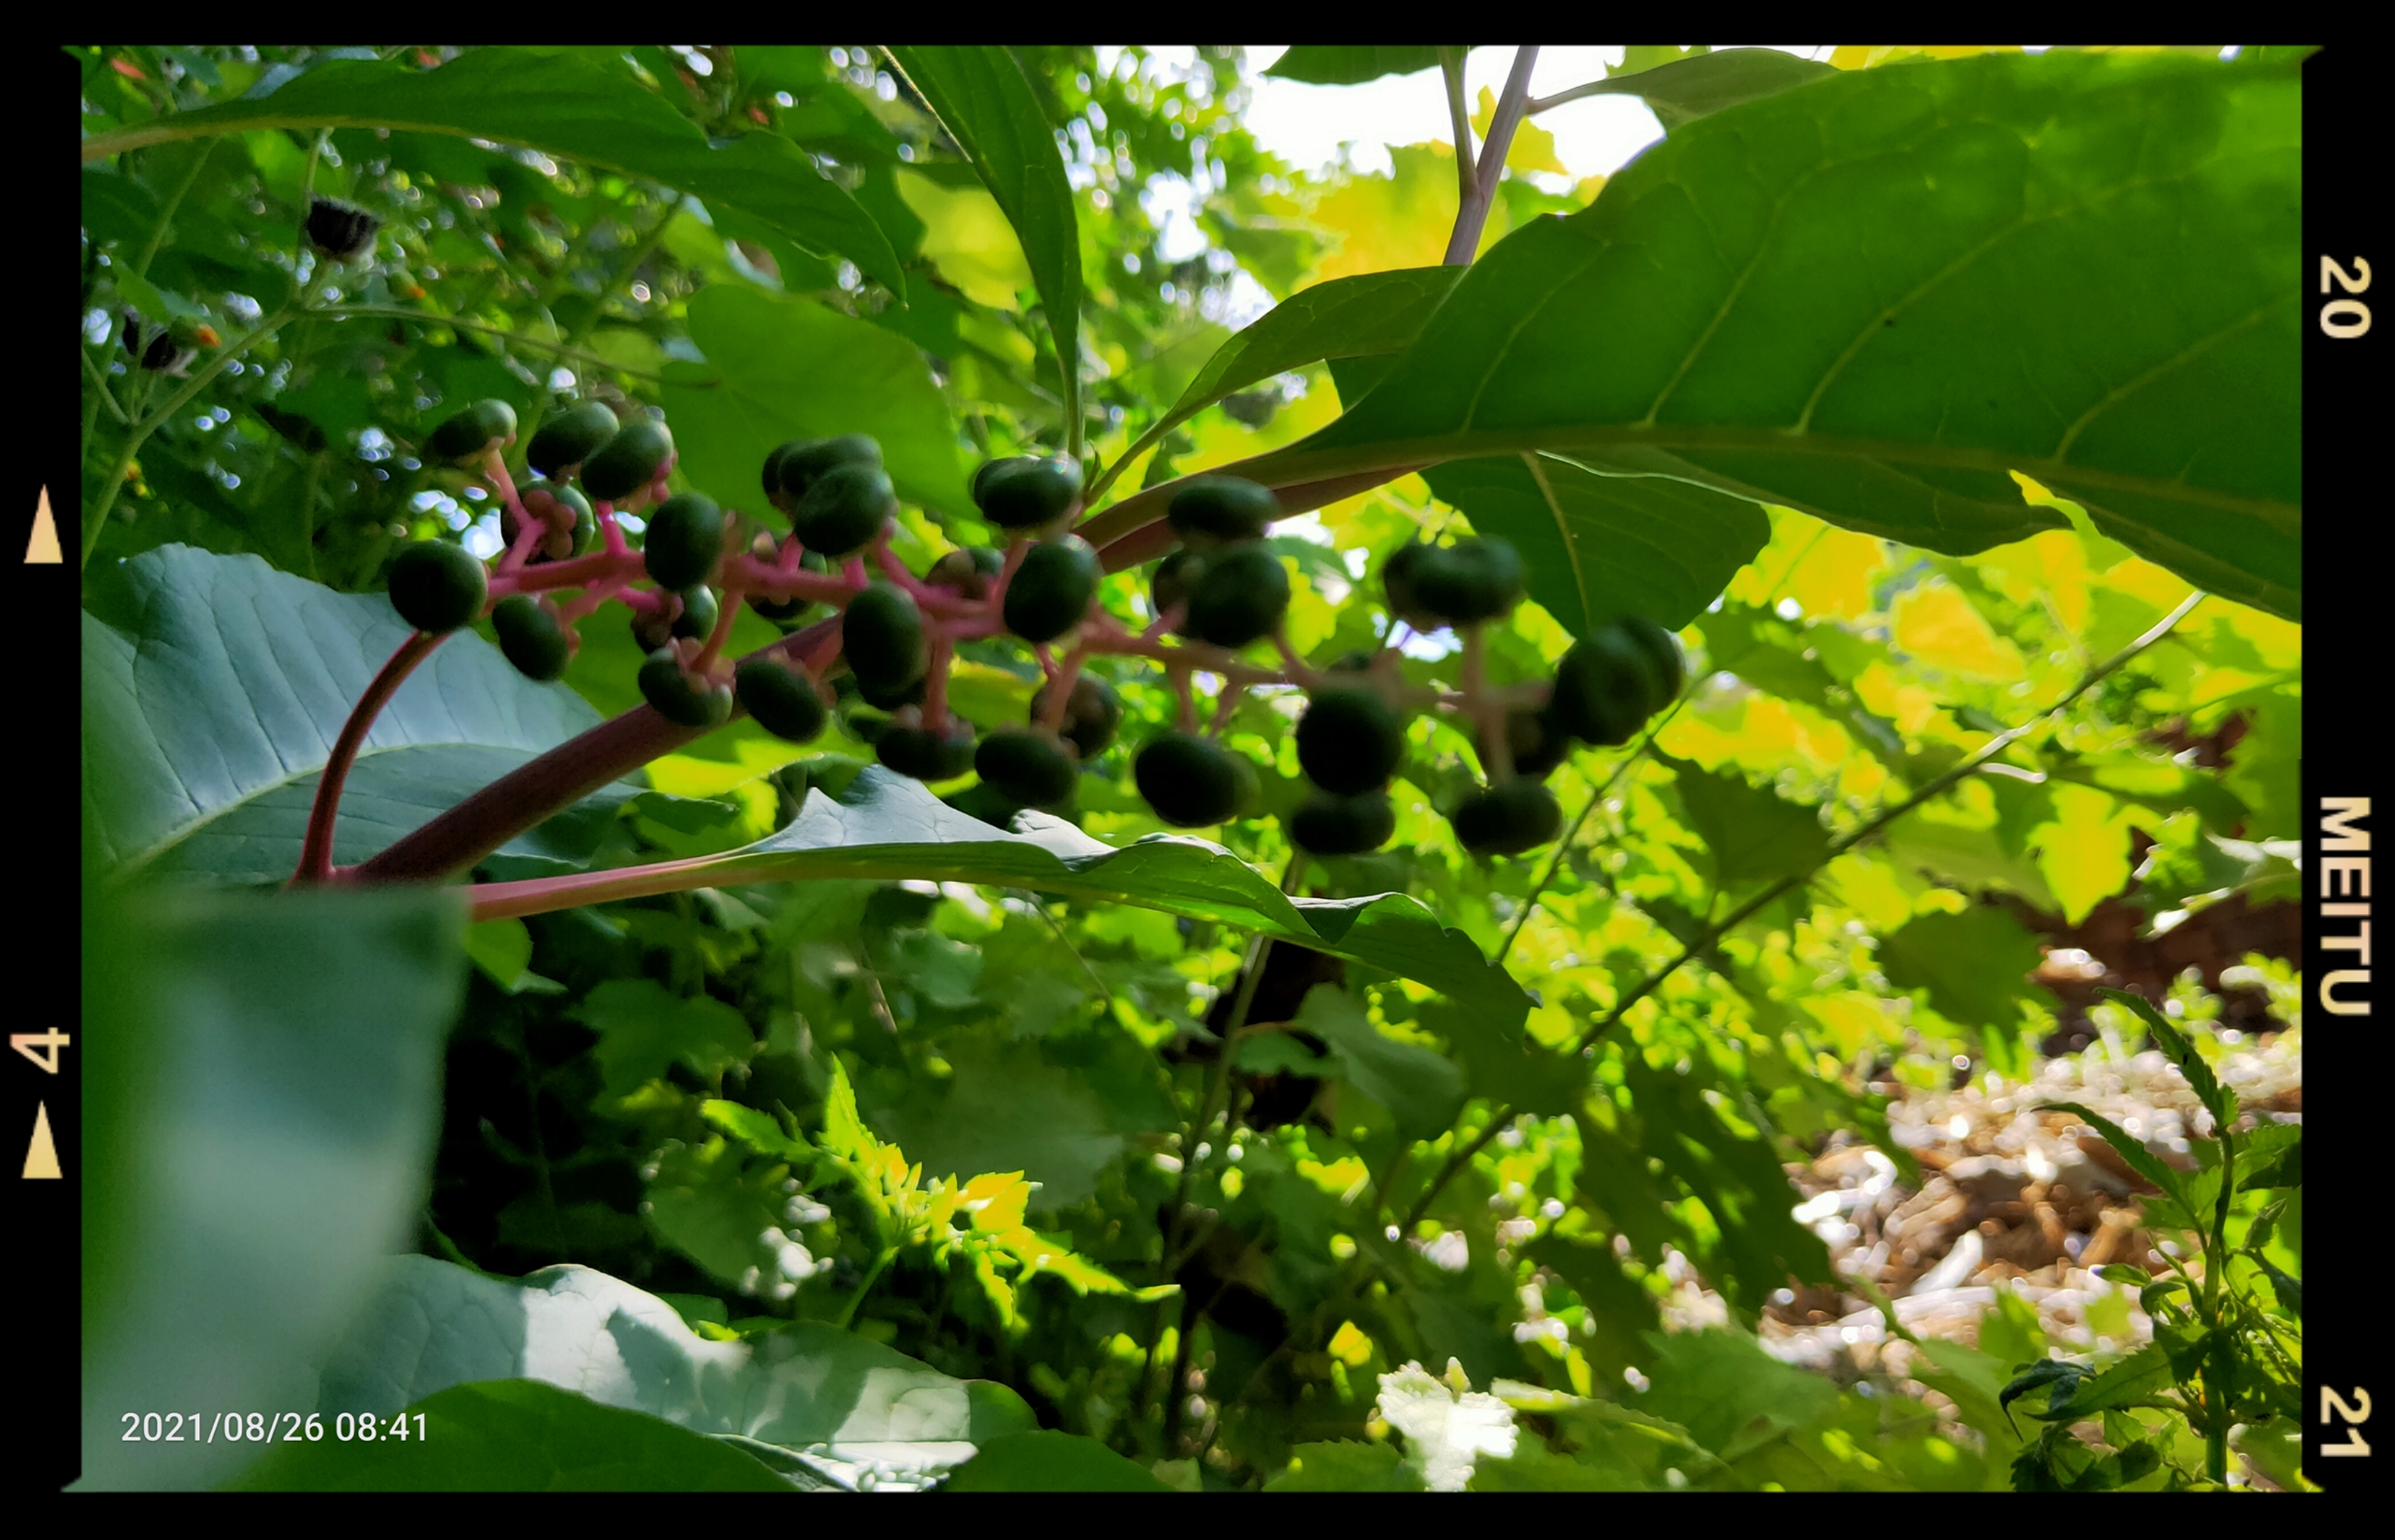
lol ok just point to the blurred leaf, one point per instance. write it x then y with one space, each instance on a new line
264 1096
1683 90
1347 1465
643 1029
2133 1149
1754 835
1975 965
1353 64
1422 1089
1050 1462
517 1436
1729 1394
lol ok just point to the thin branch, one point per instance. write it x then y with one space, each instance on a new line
1474 215
99 379
1458 112
1543 103
316 849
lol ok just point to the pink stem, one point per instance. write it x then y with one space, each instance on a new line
316 847
608 526
935 683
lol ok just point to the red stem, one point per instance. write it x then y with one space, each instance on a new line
316 849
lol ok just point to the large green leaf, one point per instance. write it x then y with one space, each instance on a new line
1352 64
1045 1461
988 107
1422 1090
892 828
213 690
516 1436
263 1102
832 1402
564 103
1875 297
1686 90
780 369
1753 834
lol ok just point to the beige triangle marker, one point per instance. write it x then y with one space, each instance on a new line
42 1155
44 548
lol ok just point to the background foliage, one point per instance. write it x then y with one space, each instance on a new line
894 1127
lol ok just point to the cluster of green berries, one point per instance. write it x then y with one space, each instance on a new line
1220 587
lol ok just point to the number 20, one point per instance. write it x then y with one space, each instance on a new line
2332 1406
2345 318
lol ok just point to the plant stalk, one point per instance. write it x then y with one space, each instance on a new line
1473 215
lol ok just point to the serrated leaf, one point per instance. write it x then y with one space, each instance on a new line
1754 835
1422 1090
2219 1102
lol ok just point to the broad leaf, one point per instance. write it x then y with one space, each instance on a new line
1050 1462
214 688
892 828
516 1436
1421 1089
1686 90
264 1099
987 106
566 103
1754 834
1831 298
836 1402
1352 63
779 368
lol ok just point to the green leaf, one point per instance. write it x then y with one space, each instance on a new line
1352 63
1422 1089
1831 299
892 828
1975 965
1345 1464
2132 1149
263 1101
1754 835
1729 1394
1005 1109
516 1436
835 1403
780 367
214 687
566 103
2217 1100
2133 1379
1046 1460
983 98
1598 546
1686 90
644 1027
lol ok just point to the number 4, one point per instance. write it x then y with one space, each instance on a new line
41 1047
2334 1405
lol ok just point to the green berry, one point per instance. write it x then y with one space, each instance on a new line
1026 492
890 698
803 462
1029 765
1093 714
1398 575
699 611
1191 782
913 750
467 433
1327 825
438 587
571 437
1606 687
882 635
677 698
1662 650
1242 596
1175 577
843 509
684 540
1051 588
1219 511
1538 745
968 571
1470 581
1349 740
531 637
781 701
1508 819
627 462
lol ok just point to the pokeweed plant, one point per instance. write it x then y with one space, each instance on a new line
1833 307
